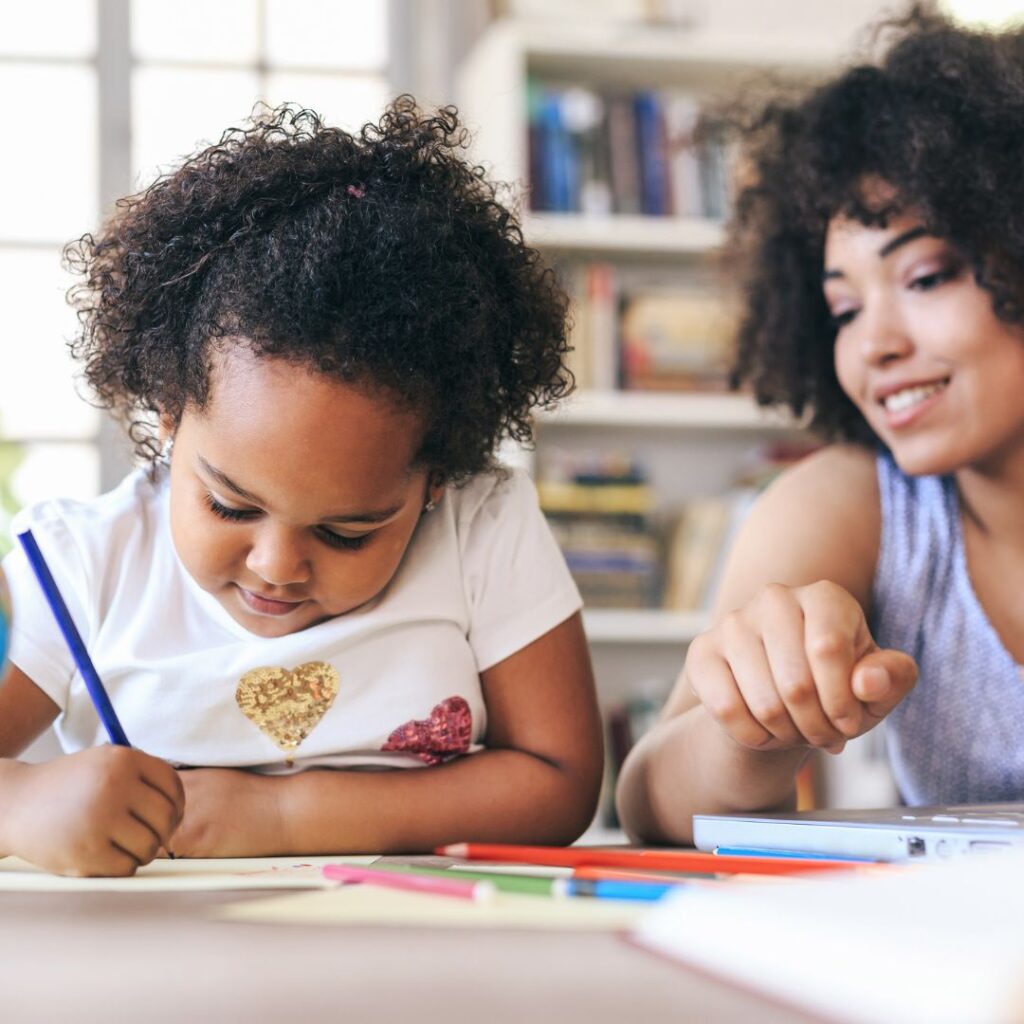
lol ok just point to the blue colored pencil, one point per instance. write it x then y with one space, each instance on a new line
611 889
74 640
745 851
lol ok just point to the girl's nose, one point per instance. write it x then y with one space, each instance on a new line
278 556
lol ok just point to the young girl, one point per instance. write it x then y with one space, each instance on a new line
884 225
322 567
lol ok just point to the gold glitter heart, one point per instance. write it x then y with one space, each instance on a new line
288 706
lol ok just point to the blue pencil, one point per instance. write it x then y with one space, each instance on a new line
74 640
611 889
744 851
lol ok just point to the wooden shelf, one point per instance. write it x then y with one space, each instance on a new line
619 234
666 410
640 53
643 626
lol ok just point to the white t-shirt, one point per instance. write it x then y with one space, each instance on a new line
481 579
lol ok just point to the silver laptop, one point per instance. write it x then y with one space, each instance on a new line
893 834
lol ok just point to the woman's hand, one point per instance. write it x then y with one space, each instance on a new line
230 813
795 667
102 811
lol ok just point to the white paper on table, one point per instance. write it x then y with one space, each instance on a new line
378 906
184 875
936 944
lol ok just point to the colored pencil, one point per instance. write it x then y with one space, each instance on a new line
743 851
529 885
612 889
459 888
643 860
73 639
526 885
595 874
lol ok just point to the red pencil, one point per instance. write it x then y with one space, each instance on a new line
643 860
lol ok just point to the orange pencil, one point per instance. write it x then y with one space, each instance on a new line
598 874
594 874
642 860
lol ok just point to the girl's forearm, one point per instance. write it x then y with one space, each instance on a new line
10 771
491 796
687 765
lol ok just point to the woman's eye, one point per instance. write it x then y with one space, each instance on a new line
339 540
926 282
232 515
840 320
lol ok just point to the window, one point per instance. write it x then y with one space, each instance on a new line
115 92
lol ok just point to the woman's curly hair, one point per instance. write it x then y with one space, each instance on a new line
940 119
380 257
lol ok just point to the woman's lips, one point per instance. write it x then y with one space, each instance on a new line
267 606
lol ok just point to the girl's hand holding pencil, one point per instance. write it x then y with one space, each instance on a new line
103 811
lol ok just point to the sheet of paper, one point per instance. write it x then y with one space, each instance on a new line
373 905
183 875
936 944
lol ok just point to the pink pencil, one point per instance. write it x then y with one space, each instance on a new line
459 887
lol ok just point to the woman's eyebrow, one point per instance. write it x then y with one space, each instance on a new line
908 236
888 249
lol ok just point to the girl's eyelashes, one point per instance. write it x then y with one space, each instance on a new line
239 515
339 540
232 515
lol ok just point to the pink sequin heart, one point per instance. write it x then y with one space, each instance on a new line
442 736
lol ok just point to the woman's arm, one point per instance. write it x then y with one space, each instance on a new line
819 522
537 781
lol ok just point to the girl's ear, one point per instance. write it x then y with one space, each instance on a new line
435 489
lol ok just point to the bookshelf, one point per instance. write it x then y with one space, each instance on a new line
643 626
634 236
668 411
693 443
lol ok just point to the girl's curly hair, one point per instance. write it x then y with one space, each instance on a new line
379 258
940 119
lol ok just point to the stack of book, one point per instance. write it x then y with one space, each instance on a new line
705 526
646 152
648 335
680 340
600 511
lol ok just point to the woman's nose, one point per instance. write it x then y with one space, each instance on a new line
278 556
883 335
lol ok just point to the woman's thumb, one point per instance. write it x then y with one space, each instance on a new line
882 679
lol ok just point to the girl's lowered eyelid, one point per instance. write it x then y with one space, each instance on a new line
217 504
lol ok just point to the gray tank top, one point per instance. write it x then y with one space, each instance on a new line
959 736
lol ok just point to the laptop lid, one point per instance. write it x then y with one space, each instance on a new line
901 833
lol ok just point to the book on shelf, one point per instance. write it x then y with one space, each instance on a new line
675 339
641 334
608 151
696 546
706 526
625 722
601 513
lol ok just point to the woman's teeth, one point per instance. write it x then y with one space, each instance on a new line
902 400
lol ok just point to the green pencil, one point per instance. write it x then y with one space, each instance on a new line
529 885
